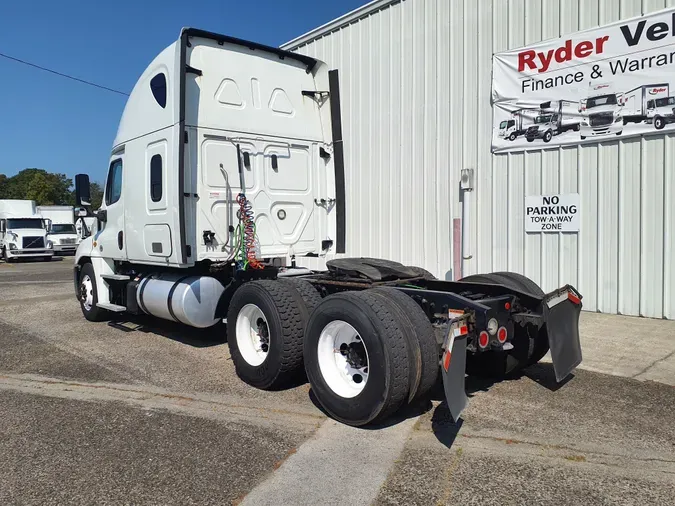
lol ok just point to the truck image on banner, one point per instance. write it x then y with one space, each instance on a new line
591 86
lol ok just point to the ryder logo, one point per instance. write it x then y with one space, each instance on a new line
542 61
656 91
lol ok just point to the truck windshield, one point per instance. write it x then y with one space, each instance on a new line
662 102
542 119
16 223
503 124
62 229
601 100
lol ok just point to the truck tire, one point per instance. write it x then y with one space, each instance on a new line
356 357
309 294
266 321
512 137
422 339
659 123
88 295
548 136
530 139
529 346
422 273
582 137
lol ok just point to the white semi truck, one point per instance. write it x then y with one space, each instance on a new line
23 233
635 102
601 111
60 227
227 165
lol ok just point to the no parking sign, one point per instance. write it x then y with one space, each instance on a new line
552 213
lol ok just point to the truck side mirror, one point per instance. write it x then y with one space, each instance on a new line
48 225
82 190
2 226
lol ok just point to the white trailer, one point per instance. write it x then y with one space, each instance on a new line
60 227
23 233
199 220
635 102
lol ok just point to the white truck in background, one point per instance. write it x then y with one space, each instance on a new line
601 112
23 233
635 102
554 118
516 126
660 111
84 225
60 228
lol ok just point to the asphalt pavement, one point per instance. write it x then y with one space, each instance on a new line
91 414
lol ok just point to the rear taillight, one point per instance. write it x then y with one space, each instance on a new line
502 335
483 339
573 298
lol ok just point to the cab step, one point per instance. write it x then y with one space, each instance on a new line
116 277
111 307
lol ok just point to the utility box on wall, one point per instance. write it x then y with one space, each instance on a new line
416 96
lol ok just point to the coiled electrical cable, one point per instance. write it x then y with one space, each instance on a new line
247 256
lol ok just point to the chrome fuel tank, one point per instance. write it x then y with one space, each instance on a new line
191 300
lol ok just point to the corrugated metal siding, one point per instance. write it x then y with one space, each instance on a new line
415 78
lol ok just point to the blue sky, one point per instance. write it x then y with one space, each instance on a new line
63 126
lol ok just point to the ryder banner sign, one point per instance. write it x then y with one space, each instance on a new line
592 86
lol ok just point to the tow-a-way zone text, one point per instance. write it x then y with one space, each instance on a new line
551 222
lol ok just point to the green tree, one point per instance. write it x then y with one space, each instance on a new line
44 187
96 194
3 186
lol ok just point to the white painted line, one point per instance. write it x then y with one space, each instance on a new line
339 465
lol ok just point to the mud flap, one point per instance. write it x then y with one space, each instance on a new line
561 313
453 370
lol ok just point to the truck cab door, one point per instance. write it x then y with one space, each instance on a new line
110 241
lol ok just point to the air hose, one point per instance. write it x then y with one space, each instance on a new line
246 227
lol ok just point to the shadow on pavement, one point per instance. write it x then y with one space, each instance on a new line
443 427
411 411
198 338
543 374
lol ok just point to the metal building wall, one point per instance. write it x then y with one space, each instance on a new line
415 85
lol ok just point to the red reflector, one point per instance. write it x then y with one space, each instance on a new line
463 330
573 298
446 360
483 339
507 306
502 334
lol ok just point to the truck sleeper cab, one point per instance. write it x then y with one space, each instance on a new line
203 218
